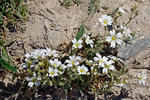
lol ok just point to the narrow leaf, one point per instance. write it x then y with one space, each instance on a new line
80 32
7 65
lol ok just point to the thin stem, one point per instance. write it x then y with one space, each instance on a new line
96 96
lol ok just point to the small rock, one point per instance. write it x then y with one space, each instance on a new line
130 50
58 28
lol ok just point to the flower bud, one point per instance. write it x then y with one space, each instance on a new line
41 64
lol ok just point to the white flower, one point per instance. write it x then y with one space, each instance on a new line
28 55
53 72
108 66
73 61
55 63
50 52
25 66
88 41
121 10
82 70
114 38
142 77
105 20
77 44
38 53
101 60
63 66
35 80
126 31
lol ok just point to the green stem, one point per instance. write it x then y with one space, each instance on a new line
96 96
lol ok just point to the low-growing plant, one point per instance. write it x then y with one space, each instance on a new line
90 66
5 61
93 7
68 3
11 11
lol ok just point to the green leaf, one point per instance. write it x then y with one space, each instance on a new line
7 65
80 33
61 83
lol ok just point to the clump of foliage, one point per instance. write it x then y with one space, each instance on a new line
93 7
11 11
68 3
5 61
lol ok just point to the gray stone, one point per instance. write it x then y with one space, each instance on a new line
130 50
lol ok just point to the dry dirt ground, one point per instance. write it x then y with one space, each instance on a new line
50 25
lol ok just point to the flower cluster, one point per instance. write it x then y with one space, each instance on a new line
78 43
90 65
44 66
117 34
42 62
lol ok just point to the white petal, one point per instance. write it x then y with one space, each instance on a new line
112 67
96 59
76 63
67 61
91 45
119 41
69 65
112 33
100 19
105 70
105 59
30 84
74 40
98 55
109 22
113 44
78 58
108 38
80 41
119 35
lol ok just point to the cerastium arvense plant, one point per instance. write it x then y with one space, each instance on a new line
90 66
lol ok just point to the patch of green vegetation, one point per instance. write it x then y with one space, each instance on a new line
93 7
5 61
68 3
11 12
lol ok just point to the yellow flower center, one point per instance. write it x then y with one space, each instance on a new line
114 38
54 65
81 70
106 66
73 62
140 77
101 61
34 80
52 73
76 44
105 22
